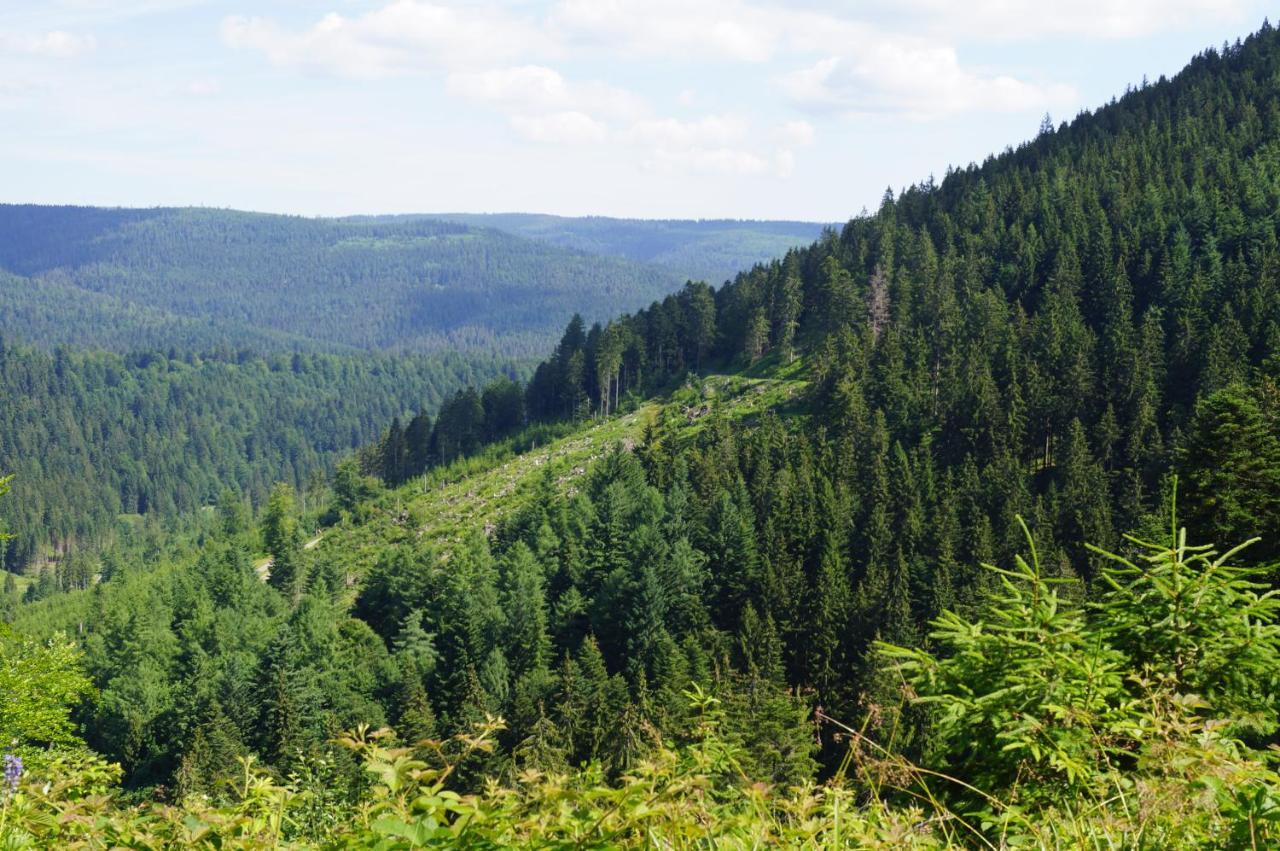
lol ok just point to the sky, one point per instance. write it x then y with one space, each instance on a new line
804 109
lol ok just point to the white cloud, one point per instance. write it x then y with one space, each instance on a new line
716 144
713 131
722 28
535 88
708 161
531 85
794 134
1012 20
55 44
736 30
403 36
13 92
845 64
542 106
563 128
824 57
790 135
784 162
919 81
852 66
103 11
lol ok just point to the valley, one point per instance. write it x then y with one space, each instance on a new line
953 526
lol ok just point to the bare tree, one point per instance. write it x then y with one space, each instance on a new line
877 303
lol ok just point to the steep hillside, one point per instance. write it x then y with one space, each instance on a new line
479 494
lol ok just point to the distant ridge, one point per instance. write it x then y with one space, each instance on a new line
714 250
205 278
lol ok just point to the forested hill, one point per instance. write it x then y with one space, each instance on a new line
200 278
1051 335
712 250
94 439
691 597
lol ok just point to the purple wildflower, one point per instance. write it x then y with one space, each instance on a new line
12 770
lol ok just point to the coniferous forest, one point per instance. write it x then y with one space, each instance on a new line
207 280
956 528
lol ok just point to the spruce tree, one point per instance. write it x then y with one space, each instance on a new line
1231 467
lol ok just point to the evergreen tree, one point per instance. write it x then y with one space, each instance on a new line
282 539
1231 466
525 605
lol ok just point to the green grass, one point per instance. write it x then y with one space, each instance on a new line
444 507
447 505
22 582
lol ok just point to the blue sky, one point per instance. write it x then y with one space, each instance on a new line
805 109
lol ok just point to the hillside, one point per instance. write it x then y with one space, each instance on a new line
91 437
49 311
225 285
935 533
454 502
201 277
713 250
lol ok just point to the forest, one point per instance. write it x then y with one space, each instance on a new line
191 351
956 528
96 440
201 279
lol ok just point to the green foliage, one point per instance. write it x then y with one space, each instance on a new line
1027 692
282 539
1231 464
1102 711
697 795
41 682
686 798
1197 623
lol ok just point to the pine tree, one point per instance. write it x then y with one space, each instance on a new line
395 454
417 438
416 719
757 340
645 624
732 559
525 604
788 305
282 539
1085 511
700 321
838 301
1231 466
878 304
829 615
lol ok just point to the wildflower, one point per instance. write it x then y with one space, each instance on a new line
12 771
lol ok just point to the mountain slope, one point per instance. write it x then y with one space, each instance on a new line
410 283
1049 335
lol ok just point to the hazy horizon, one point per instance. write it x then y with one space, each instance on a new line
413 213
